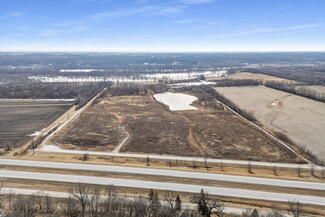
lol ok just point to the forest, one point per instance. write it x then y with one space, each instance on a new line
81 92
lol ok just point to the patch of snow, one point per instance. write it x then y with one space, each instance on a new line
81 70
190 84
176 101
36 133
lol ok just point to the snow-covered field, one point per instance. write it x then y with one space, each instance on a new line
176 101
138 78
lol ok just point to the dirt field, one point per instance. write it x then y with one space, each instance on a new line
224 135
301 119
18 118
150 127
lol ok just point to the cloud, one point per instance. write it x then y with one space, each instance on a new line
192 2
185 21
268 30
16 14
144 10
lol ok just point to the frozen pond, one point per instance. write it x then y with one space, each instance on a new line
176 101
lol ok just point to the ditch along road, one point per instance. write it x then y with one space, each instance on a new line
177 187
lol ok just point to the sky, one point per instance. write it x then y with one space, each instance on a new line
162 25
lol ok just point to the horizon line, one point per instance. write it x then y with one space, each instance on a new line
139 51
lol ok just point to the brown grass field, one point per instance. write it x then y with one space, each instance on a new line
299 118
153 128
18 118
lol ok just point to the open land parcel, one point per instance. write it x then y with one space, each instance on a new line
211 130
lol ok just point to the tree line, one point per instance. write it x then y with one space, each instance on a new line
103 201
86 200
297 90
236 82
134 89
79 91
313 75
221 98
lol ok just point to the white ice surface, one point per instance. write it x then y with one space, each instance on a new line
176 101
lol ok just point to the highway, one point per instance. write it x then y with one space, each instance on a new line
167 173
220 191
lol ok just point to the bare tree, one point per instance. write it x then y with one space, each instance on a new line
194 164
154 203
249 167
24 206
296 208
275 171
206 164
110 197
148 161
94 201
299 171
10 197
85 157
140 207
49 208
38 197
70 207
275 212
312 170
173 201
81 193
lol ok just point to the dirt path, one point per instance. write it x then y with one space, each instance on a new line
118 148
191 138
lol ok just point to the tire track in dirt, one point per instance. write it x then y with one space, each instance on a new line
191 139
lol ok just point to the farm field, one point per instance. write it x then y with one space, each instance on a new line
139 124
301 119
247 75
20 119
